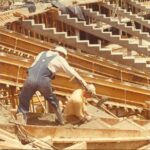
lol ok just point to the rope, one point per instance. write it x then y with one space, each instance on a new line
125 99
17 76
121 77
13 118
15 44
93 64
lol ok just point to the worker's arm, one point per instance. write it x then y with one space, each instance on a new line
71 71
85 109
78 107
87 116
60 63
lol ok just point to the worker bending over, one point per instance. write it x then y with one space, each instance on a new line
40 74
76 105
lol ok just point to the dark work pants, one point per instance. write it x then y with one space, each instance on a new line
43 85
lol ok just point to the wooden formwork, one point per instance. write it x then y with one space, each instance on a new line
88 63
121 85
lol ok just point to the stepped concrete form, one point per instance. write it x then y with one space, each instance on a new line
84 45
62 37
138 5
99 33
116 24
130 15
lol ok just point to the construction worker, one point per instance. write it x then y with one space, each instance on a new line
76 11
76 105
30 4
39 78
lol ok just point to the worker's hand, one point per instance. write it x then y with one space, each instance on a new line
88 117
90 89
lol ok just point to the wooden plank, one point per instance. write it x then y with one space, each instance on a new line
78 146
145 147
7 134
8 145
106 140
10 138
44 143
82 133
10 128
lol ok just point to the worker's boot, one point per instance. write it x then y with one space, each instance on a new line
21 118
56 109
59 116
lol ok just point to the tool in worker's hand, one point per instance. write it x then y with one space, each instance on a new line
100 101
100 104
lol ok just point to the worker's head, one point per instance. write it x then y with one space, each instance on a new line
61 50
91 91
74 2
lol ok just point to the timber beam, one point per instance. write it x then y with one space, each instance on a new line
93 64
14 72
57 132
101 145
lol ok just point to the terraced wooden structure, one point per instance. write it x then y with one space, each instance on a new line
110 49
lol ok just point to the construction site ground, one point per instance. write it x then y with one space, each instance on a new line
7 116
44 126
9 124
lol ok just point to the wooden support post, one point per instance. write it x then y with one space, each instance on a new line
32 105
140 41
13 102
46 19
23 30
14 27
42 18
11 139
34 35
146 112
37 94
120 32
36 19
77 33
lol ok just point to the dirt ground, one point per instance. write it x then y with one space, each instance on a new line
5 114
49 119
